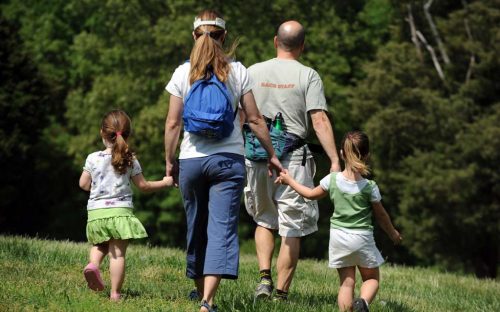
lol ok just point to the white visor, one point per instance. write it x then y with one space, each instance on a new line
219 22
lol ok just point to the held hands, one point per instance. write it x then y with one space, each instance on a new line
172 170
273 164
169 181
284 178
335 167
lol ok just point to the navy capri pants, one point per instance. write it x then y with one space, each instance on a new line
211 189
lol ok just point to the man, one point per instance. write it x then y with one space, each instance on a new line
283 85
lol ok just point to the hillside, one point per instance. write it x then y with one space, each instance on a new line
45 275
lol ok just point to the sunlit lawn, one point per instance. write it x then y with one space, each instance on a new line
46 275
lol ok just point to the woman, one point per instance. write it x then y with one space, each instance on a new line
212 171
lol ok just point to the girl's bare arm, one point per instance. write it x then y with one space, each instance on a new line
85 180
151 186
385 223
310 193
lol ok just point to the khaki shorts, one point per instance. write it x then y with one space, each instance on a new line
279 207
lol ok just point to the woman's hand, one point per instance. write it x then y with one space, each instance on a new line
172 171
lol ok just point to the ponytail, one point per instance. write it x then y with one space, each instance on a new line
207 55
115 129
356 149
121 157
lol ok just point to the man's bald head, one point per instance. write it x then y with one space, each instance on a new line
290 36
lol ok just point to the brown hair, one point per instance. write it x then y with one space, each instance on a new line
115 129
356 149
207 54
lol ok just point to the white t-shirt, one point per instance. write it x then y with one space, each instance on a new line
287 86
108 188
197 146
349 186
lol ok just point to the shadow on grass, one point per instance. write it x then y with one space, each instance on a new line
321 298
394 306
130 293
133 294
325 299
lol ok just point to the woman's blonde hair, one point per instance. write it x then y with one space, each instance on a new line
115 129
207 54
356 150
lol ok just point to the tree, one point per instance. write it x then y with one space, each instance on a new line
424 131
34 177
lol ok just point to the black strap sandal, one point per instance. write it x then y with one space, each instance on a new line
204 304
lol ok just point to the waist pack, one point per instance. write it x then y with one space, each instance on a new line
208 109
283 143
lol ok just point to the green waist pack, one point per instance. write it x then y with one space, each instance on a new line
283 142
254 150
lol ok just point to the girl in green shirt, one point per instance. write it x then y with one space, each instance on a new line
355 199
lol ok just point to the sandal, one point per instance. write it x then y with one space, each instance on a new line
93 277
210 308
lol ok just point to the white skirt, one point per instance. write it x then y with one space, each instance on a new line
352 248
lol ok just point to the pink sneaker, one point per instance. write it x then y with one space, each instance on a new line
93 277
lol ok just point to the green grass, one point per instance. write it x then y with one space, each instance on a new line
45 275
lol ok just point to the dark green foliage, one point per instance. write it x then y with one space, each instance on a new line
34 189
435 144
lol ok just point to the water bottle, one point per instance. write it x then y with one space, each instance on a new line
278 121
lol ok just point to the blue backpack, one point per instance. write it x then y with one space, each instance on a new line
208 110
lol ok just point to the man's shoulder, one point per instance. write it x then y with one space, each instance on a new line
308 69
277 64
261 65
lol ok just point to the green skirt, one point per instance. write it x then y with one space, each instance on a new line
113 223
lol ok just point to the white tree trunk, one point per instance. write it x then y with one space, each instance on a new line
435 33
433 55
472 59
413 30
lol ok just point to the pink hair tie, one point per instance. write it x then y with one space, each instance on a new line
118 133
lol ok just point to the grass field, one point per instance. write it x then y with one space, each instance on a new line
43 275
